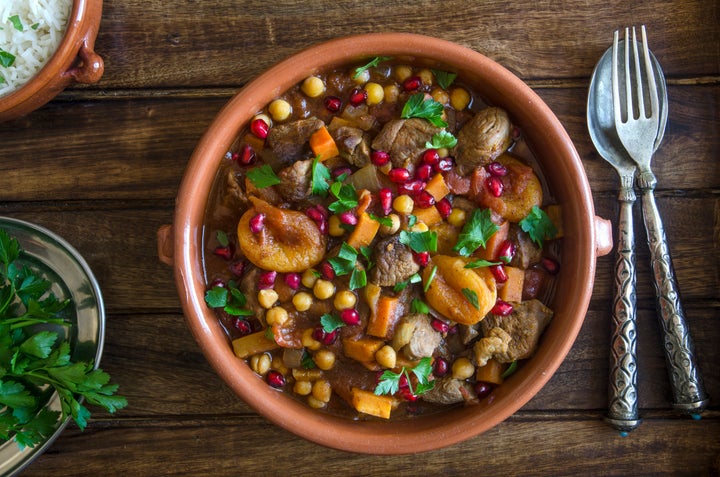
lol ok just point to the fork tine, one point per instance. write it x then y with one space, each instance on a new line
628 79
615 80
649 71
638 78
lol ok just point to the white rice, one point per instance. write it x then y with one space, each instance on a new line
43 26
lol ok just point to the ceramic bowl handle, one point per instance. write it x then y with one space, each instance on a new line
90 67
166 240
603 236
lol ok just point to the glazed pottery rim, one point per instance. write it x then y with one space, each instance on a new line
413 434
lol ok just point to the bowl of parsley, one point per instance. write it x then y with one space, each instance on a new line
52 328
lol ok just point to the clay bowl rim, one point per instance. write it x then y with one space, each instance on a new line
81 31
429 432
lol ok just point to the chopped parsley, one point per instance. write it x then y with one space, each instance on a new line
345 195
386 221
510 370
419 241
373 63
475 233
320 178
471 297
414 278
444 78
431 277
390 381
15 20
419 107
419 306
222 238
481 263
331 322
346 263
441 139
263 176
538 226
229 298
6 59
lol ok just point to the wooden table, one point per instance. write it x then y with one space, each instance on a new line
101 164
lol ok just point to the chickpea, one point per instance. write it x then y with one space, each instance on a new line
280 110
426 76
302 301
456 217
322 391
323 289
309 277
308 341
386 357
324 359
303 388
391 229
265 118
267 297
459 98
375 92
344 300
391 93
315 403
335 226
402 72
443 152
462 368
313 86
279 365
260 363
276 316
440 95
363 77
419 227
403 204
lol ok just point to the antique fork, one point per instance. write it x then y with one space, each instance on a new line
637 125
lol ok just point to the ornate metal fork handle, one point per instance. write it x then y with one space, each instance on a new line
687 386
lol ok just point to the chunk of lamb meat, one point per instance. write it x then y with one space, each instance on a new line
527 252
288 142
424 339
296 181
482 139
525 325
394 263
404 140
449 390
353 145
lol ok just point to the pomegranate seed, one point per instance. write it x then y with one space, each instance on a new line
506 252
348 217
323 210
257 223
379 158
411 187
399 175
444 206
483 389
318 333
218 282
323 226
496 169
338 171
440 326
330 338
333 104
385 200
315 214
408 395
424 199
499 273
403 382
501 308
242 326
494 185
444 164
350 317
440 367
551 265
430 157
246 156
327 271
224 251
293 280
275 379
267 279
413 83
423 172
259 128
421 258
358 96
237 268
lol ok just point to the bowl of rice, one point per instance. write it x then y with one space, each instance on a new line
45 45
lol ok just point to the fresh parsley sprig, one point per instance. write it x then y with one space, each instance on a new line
475 232
538 226
390 381
371 64
31 358
420 107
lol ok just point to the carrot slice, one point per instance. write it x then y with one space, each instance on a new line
387 312
364 231
437 187
512 290
492 245
323 145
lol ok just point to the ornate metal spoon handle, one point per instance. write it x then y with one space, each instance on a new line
622 391
688 390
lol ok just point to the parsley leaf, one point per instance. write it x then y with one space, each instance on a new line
230 299
358 278
6 58
320 179
441 139
331 322
419 241
386 221
444 78
390 381
222 238
374 62
481 263
414 278
475 233
472 297
538 226
346 196
431 277
419 107
15 20
510 370
263 176
419 306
